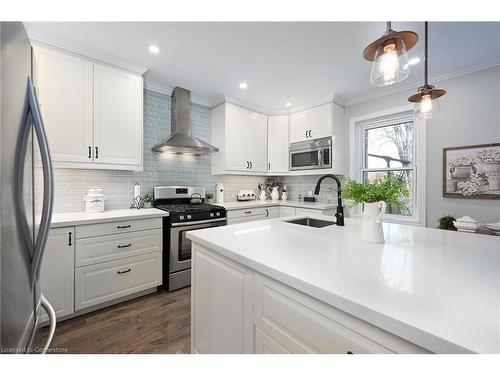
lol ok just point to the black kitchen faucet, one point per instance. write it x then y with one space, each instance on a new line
340 209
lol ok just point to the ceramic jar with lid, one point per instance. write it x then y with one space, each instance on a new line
94 200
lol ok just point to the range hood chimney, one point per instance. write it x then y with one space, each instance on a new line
181 141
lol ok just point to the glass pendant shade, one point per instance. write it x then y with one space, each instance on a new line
426 108
390 64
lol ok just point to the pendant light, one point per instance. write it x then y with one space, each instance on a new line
389 56
426 101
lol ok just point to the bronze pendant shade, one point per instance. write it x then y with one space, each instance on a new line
409 38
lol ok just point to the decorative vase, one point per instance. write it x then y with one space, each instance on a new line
275 195
284 196
492 171
262 195
210 200
371 226
462 172
147 204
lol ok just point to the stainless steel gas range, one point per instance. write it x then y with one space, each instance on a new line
187 211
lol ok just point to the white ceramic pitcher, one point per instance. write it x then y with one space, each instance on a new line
371 227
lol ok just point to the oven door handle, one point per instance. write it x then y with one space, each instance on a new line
187 224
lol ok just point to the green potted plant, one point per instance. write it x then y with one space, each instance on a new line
209 197
148 200
446 222
375 195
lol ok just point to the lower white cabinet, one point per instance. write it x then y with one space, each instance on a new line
221 309
252 214
107 281
235 309
286 211
57 271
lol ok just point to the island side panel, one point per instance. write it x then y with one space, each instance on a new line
221 304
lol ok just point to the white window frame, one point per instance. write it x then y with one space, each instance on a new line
357 125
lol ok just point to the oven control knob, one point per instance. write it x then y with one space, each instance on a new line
181 217
218 213
211 214
189 217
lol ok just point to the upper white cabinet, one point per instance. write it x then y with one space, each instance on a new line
312 123
241 136
92 111
64 86
277 144
118 111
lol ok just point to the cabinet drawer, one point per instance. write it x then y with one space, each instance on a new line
100 249
298 323
265 344
286 211
307 211
257 211
115 227
111 280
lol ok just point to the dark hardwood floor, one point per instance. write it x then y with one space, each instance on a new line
156 323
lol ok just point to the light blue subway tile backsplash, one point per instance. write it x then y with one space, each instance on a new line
159 169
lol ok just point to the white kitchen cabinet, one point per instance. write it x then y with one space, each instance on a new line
64 85
117 116
307 211
277 144
241 136
265 344
286 211
221 305
57 271
311 124
92 112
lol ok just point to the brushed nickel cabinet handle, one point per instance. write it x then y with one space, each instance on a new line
124 271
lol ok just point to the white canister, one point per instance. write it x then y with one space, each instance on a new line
94 200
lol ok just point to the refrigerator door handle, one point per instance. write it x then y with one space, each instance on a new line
52 319
48 183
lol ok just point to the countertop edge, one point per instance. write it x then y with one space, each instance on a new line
410 333
120 215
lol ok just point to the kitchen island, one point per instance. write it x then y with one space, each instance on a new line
277 287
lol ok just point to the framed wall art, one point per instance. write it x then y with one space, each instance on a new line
472 171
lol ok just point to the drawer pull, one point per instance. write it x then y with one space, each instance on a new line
124 271
248 212
349 352
122 246
123 226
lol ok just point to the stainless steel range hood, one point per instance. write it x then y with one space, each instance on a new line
181 141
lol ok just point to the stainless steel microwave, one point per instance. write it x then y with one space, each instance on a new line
314 154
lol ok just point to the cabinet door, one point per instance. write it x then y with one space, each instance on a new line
299 126
64 85
57 272
117 116
265 344
286 211
320 121
236 138
277 143
221 305
257 141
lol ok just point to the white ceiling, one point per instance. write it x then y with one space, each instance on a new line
300 62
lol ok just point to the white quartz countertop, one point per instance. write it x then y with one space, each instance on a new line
435 288
82 218
269 203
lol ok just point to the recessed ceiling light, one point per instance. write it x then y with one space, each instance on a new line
243 85
154 49
414 61
288 104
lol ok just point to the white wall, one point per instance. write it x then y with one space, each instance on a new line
470 114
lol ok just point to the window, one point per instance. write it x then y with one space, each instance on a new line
391 144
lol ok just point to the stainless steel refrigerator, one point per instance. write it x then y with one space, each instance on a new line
26 208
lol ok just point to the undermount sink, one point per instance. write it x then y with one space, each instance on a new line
310 222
